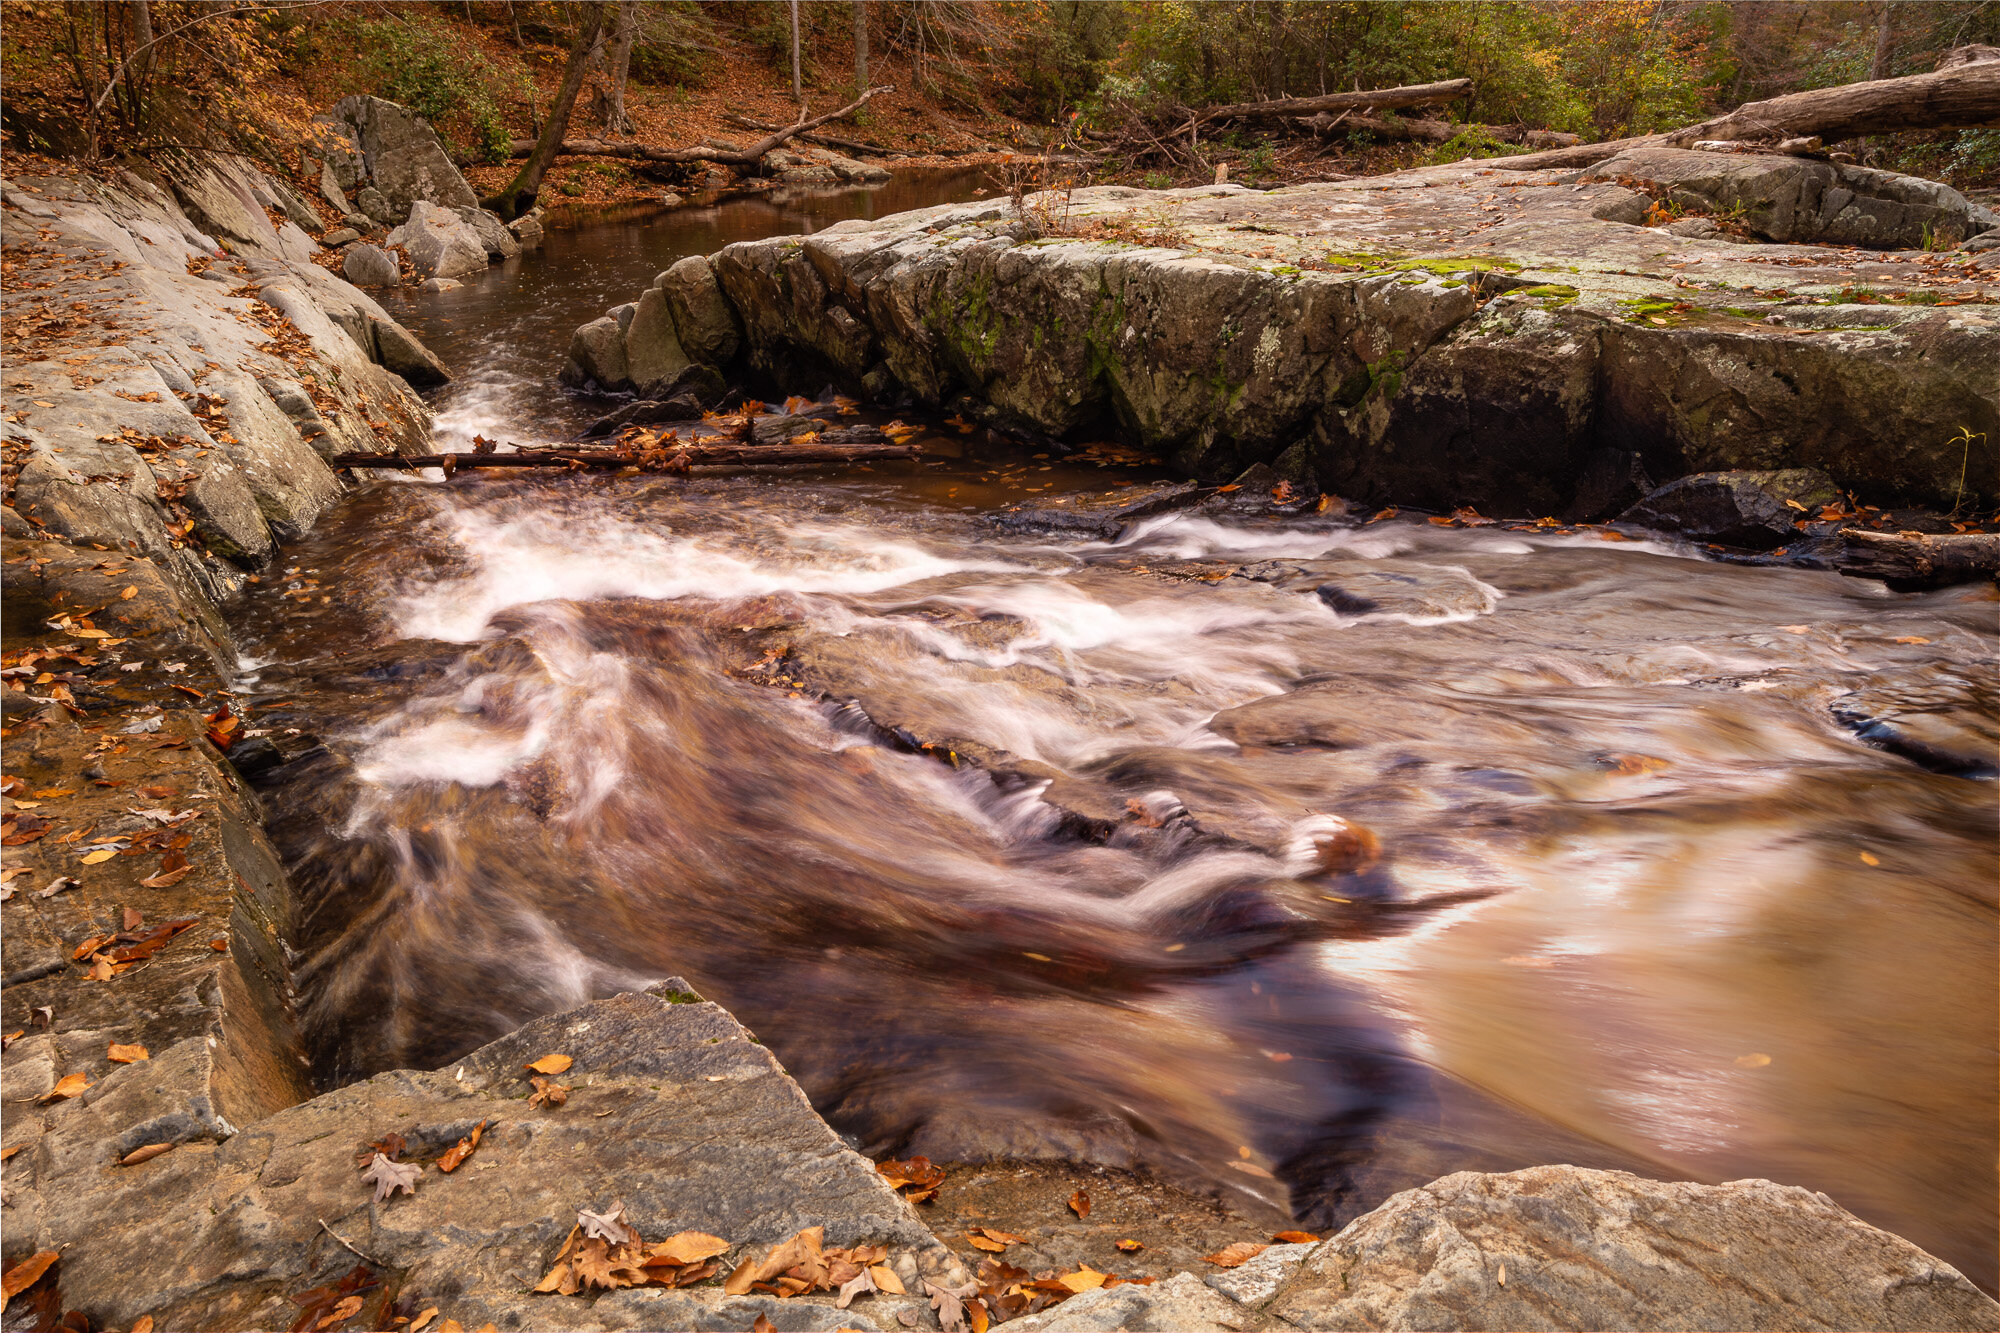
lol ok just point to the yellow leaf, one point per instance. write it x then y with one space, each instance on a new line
1083 1279
1754 1060
551 1064
1131 1246
1907 638
125 1055
69 1085
129 593
1869 858
428 1313
97 857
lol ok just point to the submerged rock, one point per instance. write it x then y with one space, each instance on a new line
1749 509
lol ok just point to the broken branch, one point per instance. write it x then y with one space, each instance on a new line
739 157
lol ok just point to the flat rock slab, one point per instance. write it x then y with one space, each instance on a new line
675 1110
1602 1249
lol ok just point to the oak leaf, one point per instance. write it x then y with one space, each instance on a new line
609 1225
387 1177
860 1284
949 1302
548 1092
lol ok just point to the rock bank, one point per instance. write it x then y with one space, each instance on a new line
1521 341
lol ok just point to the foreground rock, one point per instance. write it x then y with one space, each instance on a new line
673 1109
1564 1248
1521 341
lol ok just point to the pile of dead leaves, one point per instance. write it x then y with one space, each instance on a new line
914 1178
604 1251
1001 1291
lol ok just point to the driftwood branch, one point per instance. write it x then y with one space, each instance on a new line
666 457
823 140
1381 99
741 157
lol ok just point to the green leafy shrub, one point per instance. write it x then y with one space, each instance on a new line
430 69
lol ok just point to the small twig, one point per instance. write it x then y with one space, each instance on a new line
350 1245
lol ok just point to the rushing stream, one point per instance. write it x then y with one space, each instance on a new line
1046 873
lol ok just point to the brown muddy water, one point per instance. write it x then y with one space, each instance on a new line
1685 868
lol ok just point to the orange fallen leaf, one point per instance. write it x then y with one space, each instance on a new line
763 1325
1754 1060
1870 859
458 1152
1294 1238
129 593
980 1242
348 1307
144 1324
424 1317
551 1064
548 1092
1235 1256
168 878
686 1247
886 1279
801 1252
1085 1278
1131 1246
145 1154
125 1055
8 1152
24 1274
1906 638
1079 1203
69 1085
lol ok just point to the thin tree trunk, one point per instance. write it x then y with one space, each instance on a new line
860 44
798 85
520 193
1885 41
615 119
136 82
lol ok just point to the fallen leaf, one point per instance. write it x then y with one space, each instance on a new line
387 1177
168 878
69 1085
1235 1256
1079 1203
24 1274
98 857
1131 1246
551 1064
949 1302
424 1317
143 1324
1870 859
1754 1060
763 1325
609 1226
6 1153
916 1175
1085 1278
687 1247
980 1242
461 1150
1295 1238
800 1252
348 1307
1003 1237
1906 638
125 1055
145 1154
860 1284
548 1092
1503 1275
129 593
886 1279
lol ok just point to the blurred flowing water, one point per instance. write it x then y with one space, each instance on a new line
1660 886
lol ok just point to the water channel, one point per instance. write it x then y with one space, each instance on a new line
1021 846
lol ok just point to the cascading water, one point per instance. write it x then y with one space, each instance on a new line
1005 843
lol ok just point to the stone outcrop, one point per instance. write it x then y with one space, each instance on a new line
369 144
1747 509
1518 341
181 431
673 1110
644 346
1603 1249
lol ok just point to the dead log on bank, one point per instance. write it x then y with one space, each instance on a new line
736 157
822 139
670 457
1381 99
1916 559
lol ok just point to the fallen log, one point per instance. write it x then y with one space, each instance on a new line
822 139
1915 559
1965 95
740 157
1381 99
670 456
1423 130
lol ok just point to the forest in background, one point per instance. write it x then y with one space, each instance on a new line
94 78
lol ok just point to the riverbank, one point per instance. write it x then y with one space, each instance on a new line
258 1203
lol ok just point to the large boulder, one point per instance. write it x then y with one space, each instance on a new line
1755 510
673 1110
499 242
398 350
527 229
703 318
440 243
1806 201
398 153
597 358
370 266
653 352
1560 1247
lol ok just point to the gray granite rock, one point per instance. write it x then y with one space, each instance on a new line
1179 1303
1560 1247
1257 1281
367 265
402 156
440 243
597 358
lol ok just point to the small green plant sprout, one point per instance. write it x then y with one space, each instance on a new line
1965 437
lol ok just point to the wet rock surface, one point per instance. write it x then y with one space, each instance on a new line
1757 510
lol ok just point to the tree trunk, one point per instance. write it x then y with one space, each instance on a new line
798 85
615 119
1383 99
1885 41
1961 97
860 44
137 81
1915 560
519 196
654 153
